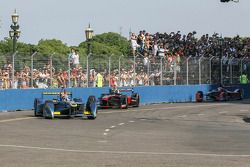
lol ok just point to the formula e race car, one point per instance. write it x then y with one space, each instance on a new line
220 94
64 106
122 99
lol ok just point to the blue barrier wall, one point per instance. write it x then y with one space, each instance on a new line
22 99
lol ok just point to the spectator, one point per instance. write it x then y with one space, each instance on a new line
243 79
74 58
99 80
141 41
134 43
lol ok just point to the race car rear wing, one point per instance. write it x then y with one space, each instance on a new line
55 93
126 90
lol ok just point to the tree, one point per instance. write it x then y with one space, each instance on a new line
109 43
50 46
103 46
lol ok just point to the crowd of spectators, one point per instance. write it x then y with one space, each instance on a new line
174 47
176 44
148 49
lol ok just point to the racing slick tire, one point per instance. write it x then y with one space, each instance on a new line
48 109
137 98
199 96
241 94
91 101
37 101
124 102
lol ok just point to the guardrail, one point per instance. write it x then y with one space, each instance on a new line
22 99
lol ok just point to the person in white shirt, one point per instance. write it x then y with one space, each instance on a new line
75 59
161 51
134 43
155 49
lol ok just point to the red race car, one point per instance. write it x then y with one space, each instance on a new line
122 98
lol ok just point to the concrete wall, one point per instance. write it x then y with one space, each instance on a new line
22 99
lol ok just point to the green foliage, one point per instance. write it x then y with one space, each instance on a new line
108 43
6 46
103 46
51 46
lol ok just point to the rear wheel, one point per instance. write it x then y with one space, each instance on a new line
199 96
124 102
136 97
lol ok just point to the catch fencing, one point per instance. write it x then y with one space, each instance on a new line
54 71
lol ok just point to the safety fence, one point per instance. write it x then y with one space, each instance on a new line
53 71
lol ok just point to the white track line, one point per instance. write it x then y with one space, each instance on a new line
121 124
16 119
111 127
107 130
126 152
102 141
182 116
223 112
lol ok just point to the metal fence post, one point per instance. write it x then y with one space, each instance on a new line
119 68
134 74
210 70
200 69
221 71
134 71
109 69
51 75
231 70
188 69
32 68
175 73
241 66
13 69
69 70
88 69
148 71
161 70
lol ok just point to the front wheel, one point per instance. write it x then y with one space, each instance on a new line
48 110
241 94
92 107
37 107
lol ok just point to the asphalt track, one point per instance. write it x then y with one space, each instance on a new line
165 135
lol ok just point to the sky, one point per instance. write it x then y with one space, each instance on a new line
67 20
